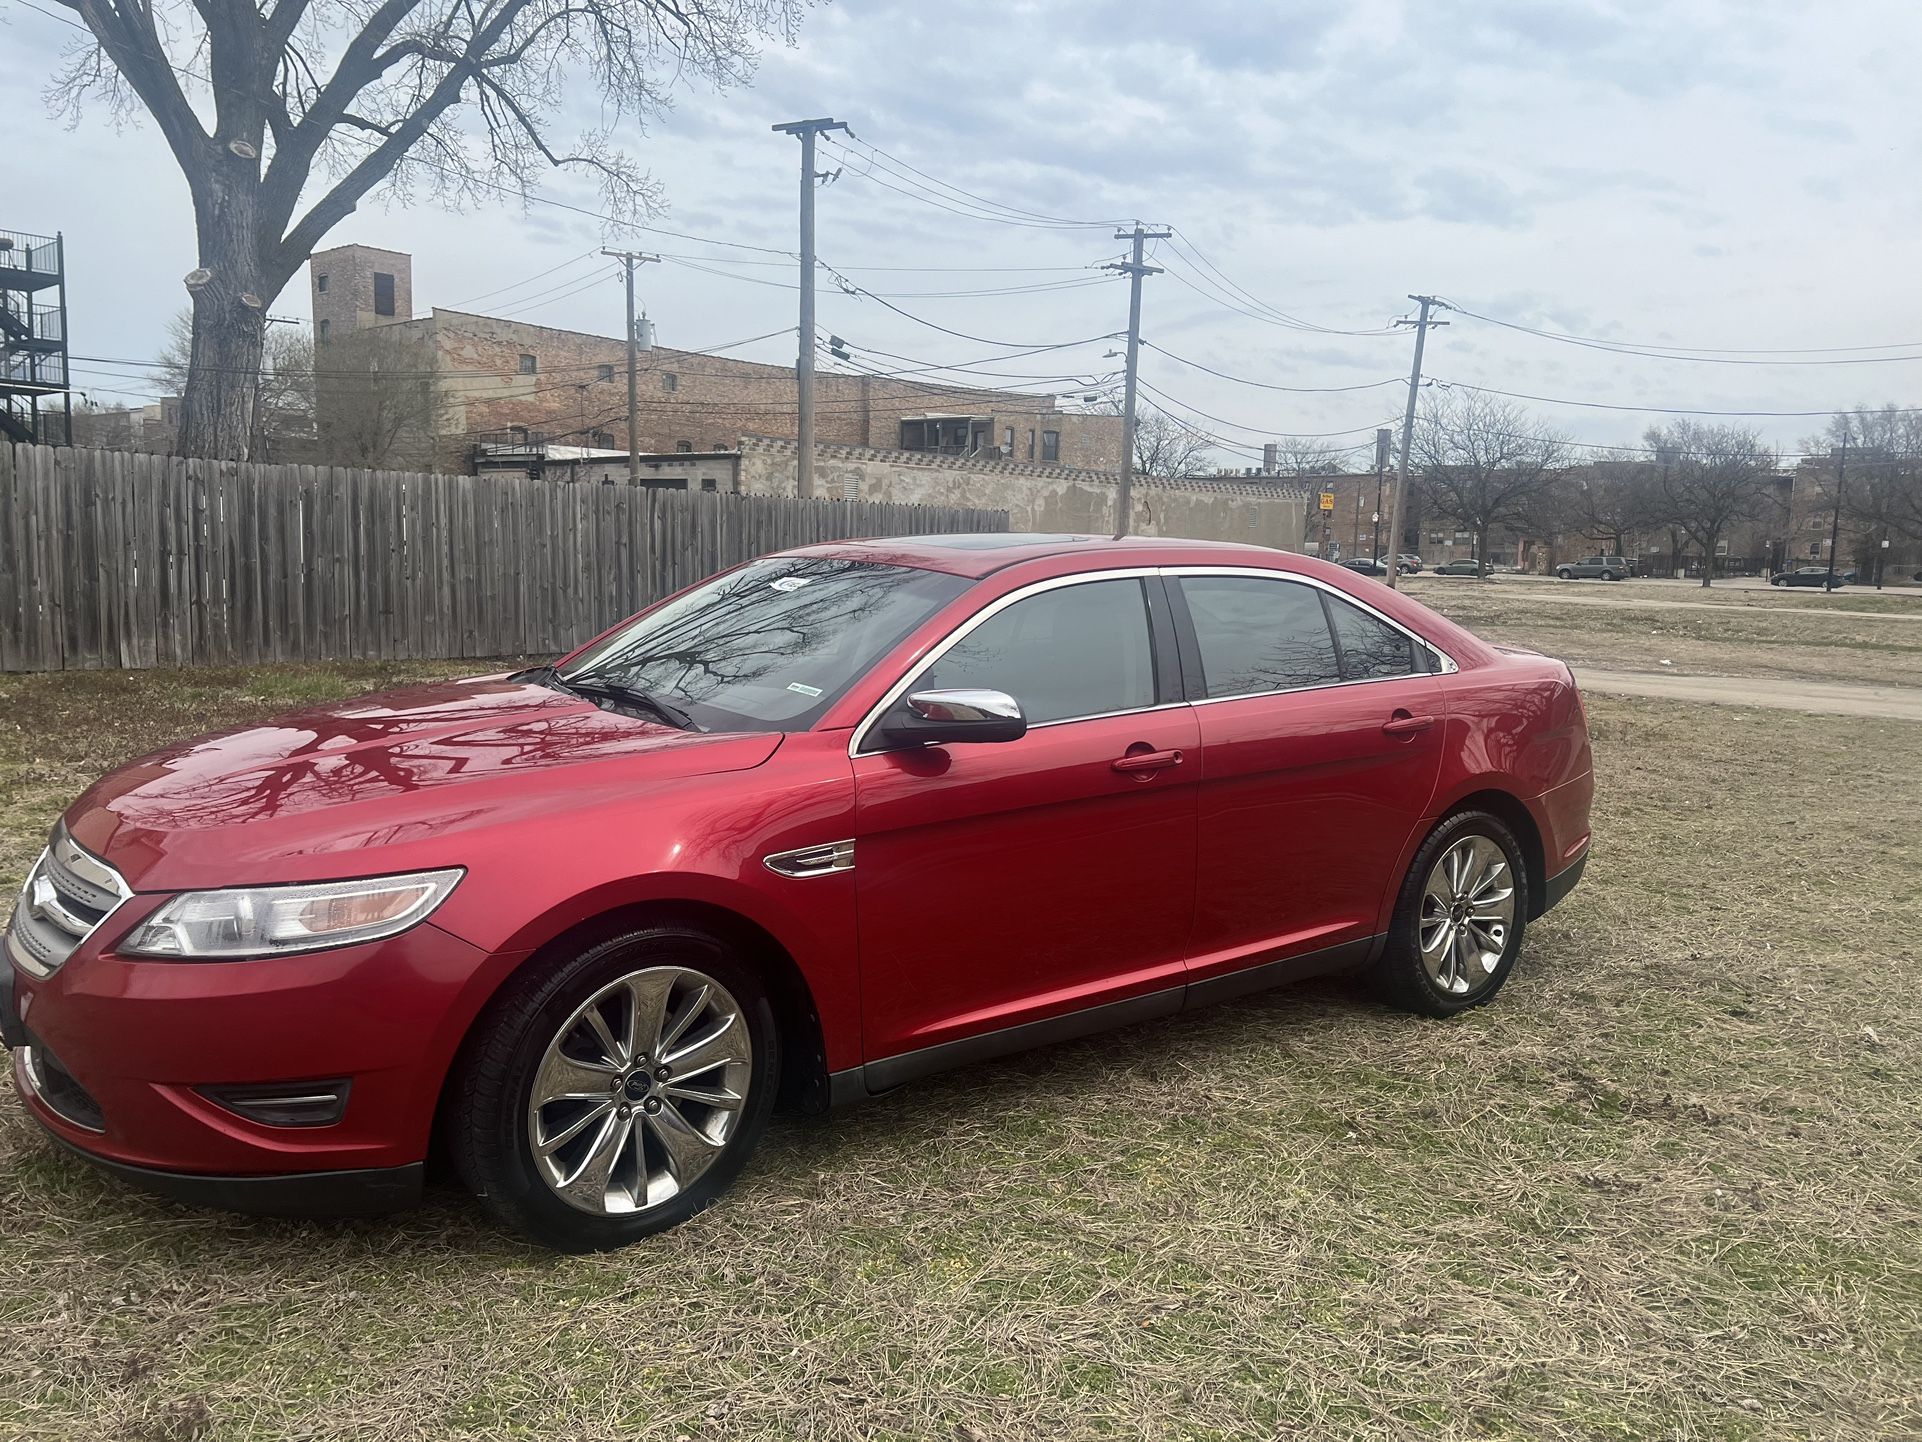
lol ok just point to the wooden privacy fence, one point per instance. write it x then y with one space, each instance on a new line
112 559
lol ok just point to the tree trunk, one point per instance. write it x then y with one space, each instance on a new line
230 296
1708 558
1481 552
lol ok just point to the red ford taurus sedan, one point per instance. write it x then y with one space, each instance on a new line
821 825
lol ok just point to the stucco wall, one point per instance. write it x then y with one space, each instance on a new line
1036 498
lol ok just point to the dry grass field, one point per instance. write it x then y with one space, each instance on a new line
1668 1186
1771 635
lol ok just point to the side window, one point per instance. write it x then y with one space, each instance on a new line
1258 635
1075 651
1370 647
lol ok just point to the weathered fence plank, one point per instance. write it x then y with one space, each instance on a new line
112 559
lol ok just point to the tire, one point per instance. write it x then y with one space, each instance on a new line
1610 576
1566 574
1778 581
539 1031
1470 975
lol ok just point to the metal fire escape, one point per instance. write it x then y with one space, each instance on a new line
35 405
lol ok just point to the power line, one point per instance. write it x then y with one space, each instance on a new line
489 294
1267 385
1651 410
1678 352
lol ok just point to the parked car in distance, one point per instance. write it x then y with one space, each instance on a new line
1376 566
1811 576
1409 562
1590 568
817 826
1463 568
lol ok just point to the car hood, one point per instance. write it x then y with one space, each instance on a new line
407 773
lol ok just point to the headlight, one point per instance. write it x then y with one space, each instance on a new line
270 920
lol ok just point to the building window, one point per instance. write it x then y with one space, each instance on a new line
606 373
684 447
718 446
670 381
1815 549
320 283
1007 442
383 293
528 365
321 331
708 483
1030 442
603 439
1051 445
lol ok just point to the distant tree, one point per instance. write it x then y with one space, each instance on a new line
1615 498
1167 446
1484 462
283 117
1305 456
283 407
378 404
1710 478
1882 482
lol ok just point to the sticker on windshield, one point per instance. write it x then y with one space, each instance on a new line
797 686
790 583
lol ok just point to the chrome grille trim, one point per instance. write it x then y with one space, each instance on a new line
67 895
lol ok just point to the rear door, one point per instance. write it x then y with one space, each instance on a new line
1012 885
1321 746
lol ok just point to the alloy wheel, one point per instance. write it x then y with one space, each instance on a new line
1467 913
640 1091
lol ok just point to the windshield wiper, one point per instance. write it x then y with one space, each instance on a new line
626 696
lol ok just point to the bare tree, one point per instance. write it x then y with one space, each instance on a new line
1167 446
1303 456
1882 493
1484 462
1615 498
378 403
283 408
284 116
1710 477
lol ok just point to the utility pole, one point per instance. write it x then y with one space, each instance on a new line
805 131
629 259
1135 270
1427 302
1841 456
1384 439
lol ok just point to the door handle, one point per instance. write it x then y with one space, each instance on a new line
1139 761
1401 723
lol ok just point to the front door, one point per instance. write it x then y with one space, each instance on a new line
1321 742
1003 888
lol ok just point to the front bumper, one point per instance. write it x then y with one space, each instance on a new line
111 1055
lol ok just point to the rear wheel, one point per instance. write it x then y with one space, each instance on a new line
617 1093
1459 918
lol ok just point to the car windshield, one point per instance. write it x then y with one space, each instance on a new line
767 647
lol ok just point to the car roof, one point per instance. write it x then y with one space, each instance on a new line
982 554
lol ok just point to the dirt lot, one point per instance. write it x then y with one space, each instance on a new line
1668 1186
1612 627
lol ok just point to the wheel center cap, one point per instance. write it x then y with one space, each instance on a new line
638 1085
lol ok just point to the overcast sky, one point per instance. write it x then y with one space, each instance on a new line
1683 173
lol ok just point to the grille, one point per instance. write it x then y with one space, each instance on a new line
68 894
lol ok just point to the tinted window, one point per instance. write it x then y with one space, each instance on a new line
1259 635
769 646
1074 651
1371 647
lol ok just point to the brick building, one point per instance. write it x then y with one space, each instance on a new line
467 379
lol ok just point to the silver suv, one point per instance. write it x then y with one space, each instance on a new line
1607 568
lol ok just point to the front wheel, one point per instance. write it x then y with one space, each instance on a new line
618 1092
1778 581
1458 920
1566 574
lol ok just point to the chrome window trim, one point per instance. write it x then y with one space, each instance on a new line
994 608
1447 663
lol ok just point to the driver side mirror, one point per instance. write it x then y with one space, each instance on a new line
940 718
